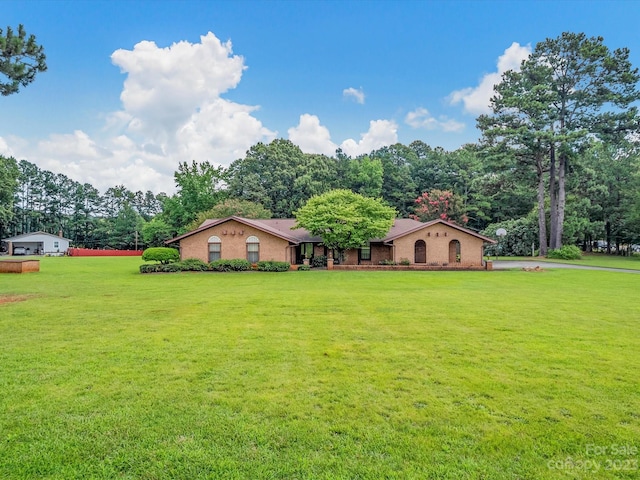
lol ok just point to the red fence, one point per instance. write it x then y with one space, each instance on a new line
88 252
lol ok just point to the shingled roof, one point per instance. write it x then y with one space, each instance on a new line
283 228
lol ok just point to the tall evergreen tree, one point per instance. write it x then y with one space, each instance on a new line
571 89
21 58
8 188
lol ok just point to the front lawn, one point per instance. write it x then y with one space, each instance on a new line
588 259
106 373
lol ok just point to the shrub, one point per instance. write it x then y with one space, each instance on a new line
162 255
405 261
567 252
273 266
149 268
319 261
304 268
169 267
232 265
193 265
387 262
521 234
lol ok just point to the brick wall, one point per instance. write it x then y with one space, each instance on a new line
438 238
233 236
19 266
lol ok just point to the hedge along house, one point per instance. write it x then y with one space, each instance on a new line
435 243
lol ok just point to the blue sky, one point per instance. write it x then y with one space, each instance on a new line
134 87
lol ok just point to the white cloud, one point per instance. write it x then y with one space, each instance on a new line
172 112
222 131
164 86
75 146
476 99
357 94
119 160
312 137
421 118
172 102
381 134
5 150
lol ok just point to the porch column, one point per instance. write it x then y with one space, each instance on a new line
330 259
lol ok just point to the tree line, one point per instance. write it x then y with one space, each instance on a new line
44 201
474 186
557 164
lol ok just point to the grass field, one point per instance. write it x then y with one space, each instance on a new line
109 374
591 260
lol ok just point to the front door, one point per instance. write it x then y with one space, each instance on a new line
454 251
420 252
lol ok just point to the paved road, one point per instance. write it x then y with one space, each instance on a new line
509 264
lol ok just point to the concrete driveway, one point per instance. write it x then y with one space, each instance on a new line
519 264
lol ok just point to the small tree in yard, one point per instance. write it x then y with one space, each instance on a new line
163 255
345 219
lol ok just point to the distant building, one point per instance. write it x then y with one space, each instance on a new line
37 243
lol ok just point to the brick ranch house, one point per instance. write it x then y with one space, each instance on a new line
434 243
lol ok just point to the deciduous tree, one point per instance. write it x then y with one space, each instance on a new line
439 204
280 176
345 219
231 206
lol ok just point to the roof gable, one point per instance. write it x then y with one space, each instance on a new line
405 226
31 234
283 228
278 227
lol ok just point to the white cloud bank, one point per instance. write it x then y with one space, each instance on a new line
381 133
312 137
421 118
476 99
5 150
172 111
356 94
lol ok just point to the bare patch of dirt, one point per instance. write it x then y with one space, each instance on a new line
533 269
13 298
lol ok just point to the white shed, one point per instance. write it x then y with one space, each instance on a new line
37 243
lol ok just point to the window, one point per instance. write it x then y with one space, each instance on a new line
56 244
215 248
253 249
307 250
365 252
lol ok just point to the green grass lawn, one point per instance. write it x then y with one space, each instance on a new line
589 259
109 374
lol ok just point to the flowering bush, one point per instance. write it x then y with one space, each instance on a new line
441 204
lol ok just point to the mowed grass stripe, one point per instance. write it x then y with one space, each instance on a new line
106 373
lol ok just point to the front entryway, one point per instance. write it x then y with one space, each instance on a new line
454 251
420 253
